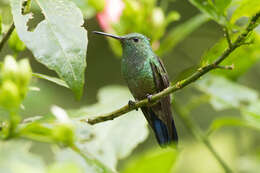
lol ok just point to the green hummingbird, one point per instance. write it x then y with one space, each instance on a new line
145 75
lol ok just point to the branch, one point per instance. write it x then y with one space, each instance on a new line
183 83
6 36
198 134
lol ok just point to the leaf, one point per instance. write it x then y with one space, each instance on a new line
59 41
1 27
51 79
211 9
112 140
15 157
222 5
242 58
86 165
230 121
180 32
247 8
15 43
65 168
160 160
226 94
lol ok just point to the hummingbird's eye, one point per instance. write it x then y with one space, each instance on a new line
136 40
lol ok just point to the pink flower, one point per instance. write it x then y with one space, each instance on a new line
111 14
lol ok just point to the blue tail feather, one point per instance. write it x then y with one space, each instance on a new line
161 132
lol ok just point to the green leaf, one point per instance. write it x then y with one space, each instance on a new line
86 163
242 58
112 140
15 43
222 5
59 41
1 27
211 9
180 32
230 121
224 93
159 160
15 157
65 168
51 79
247 8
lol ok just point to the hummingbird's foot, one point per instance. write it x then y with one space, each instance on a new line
132 104
149 98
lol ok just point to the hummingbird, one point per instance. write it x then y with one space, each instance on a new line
146 75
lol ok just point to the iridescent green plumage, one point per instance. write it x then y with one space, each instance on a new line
145 75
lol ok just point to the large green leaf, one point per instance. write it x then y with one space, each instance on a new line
112 140
160 160
247 8
59 41
15 157
225 94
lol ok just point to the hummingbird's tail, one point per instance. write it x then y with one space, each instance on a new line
165 132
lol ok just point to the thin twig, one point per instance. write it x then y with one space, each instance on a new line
226 67
181 84
198 134
6 36
227 35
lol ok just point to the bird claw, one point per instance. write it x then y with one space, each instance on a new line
149 98
132 104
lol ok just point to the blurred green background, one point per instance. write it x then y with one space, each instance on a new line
238 146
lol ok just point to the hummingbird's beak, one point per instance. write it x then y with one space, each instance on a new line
108 35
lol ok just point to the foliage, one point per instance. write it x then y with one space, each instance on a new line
65 55
52 31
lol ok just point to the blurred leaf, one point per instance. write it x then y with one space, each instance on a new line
213 9
51 79
222 5
230 121
85 164
65 168
111 140
159 160
242 58
247 8
15 157
252 113
180 32
15 43
59 41
1 27
97 4
226 94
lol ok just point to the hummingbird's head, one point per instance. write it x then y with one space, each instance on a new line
130 42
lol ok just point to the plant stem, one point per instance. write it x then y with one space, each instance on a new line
6 36
91 161
198 134
183 83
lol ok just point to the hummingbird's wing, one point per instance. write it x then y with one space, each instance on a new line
161 81
159 115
